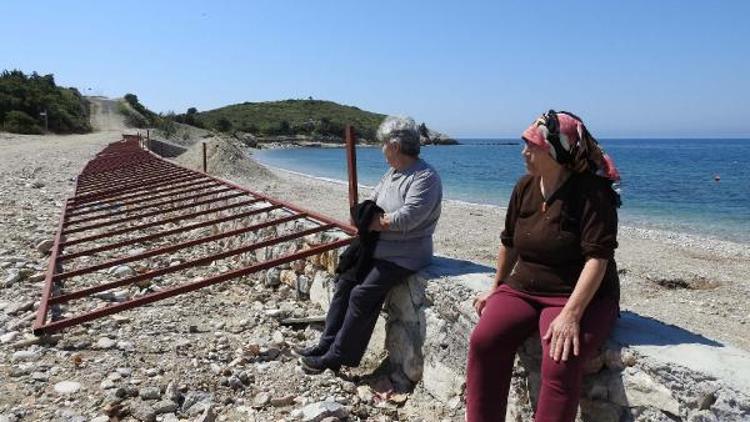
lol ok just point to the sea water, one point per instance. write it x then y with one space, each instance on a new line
696 186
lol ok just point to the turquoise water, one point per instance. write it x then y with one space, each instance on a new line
667 183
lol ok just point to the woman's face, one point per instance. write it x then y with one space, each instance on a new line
537 159
391 150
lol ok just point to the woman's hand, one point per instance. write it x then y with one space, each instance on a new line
375 223
380 223
481 301
563 335
385 222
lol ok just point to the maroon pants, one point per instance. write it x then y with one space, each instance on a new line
509 318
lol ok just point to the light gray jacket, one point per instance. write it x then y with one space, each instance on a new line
412 199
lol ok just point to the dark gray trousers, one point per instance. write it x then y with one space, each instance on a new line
354 311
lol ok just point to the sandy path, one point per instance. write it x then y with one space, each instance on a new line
104 115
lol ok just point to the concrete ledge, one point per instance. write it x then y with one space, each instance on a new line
166 149
648 371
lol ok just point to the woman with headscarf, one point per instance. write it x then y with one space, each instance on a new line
556 273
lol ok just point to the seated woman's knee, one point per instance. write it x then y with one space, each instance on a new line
562 370
483 341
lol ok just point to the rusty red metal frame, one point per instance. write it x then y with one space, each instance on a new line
126 195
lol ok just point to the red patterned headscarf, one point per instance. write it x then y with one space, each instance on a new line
568 141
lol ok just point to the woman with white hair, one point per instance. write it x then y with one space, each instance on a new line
409 195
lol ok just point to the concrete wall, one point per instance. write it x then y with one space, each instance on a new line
647 371
166 149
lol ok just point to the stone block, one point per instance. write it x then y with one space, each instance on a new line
321 289
594 364
600 411
406 300
613 359
595 388
643 390
376 346
288 277
404 344
442 381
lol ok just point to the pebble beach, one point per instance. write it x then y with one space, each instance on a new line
189 359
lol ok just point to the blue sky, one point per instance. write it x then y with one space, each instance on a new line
662 68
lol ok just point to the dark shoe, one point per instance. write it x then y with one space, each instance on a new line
316 350
316 364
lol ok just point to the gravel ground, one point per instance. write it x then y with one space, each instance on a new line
217 354
221 353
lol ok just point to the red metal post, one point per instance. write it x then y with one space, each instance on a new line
204 157
351 160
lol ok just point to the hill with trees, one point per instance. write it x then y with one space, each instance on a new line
27 100
271 121
286 118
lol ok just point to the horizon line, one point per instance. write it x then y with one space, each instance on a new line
620 138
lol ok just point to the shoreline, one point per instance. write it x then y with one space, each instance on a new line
689 227
708 243
696 283
363 186
271 145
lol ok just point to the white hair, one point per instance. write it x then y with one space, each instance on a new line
402 131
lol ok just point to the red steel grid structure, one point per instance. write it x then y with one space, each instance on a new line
126 189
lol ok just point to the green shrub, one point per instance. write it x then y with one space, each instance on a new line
251 128
67 110
223 125
20 122
151 118
167 124
189 118
132 118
